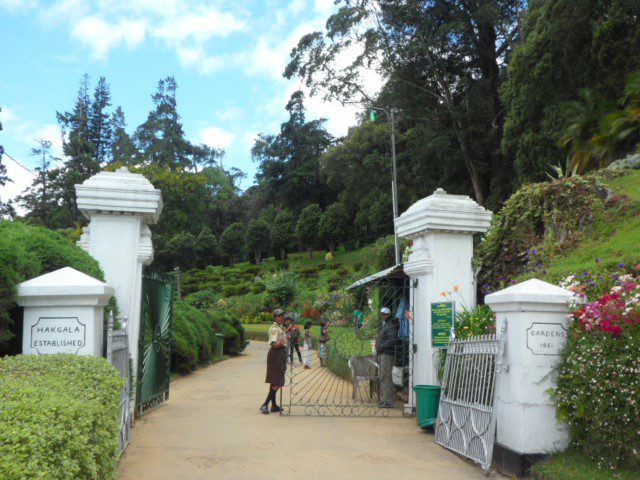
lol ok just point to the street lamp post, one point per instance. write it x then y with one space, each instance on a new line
394 176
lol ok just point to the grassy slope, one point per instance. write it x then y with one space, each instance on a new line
614 237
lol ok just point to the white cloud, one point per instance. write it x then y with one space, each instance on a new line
199 26
14 5
216 137
101 36
7 117
230 114
21 178
197 57
297 6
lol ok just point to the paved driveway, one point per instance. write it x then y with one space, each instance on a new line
211 429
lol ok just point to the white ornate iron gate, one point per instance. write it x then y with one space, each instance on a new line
118 356
466 419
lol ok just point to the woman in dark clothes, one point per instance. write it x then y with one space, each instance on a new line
276 362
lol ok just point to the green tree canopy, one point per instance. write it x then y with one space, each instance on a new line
568 46
289 162
334 225
258 238
207 248
283 233
307 226
232 241
442 61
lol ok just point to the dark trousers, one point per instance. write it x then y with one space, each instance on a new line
295 346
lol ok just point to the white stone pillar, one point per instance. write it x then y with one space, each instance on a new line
120 205
441 227
535 314
63 313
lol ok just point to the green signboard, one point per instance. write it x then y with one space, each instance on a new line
442 315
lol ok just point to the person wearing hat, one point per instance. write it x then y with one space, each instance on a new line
386 351
275 361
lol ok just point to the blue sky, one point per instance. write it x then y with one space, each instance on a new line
227 57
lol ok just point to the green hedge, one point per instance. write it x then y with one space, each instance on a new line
193 336
26 252
59 417
225 323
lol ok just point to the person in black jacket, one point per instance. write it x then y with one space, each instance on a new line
386 351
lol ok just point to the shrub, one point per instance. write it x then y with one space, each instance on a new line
59 417
358 266
251 269
262 317
555 212
311 269
184 343
598 392
26 252
282 287
335 265
342 271
229 290
630 162
202 299
258 287
224 323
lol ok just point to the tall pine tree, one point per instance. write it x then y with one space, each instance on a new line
99 125
160 139
121 148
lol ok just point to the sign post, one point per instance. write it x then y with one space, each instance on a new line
63 313
442 321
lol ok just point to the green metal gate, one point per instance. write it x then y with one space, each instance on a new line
154 344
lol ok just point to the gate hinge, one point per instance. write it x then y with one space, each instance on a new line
415 347
415 282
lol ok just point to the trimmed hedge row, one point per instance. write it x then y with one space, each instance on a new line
193 336
59 417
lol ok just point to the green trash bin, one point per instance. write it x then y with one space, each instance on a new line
218 344
427 401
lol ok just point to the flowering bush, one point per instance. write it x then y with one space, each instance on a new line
614 311
478 320
598 388
262 317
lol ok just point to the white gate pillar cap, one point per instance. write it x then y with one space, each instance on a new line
443 212
66 286
119 192
528 293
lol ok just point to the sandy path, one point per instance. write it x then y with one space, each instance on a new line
211 429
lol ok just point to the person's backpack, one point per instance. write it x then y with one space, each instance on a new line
295 333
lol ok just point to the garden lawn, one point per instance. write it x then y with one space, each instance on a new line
573 466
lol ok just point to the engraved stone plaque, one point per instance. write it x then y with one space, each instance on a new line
58 335
546 338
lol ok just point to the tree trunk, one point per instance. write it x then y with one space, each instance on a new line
474 176
309 252
283 253
257 256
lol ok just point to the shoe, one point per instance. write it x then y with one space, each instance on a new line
386 405
307 366
264 409
275 409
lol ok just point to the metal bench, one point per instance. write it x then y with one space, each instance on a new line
365 368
